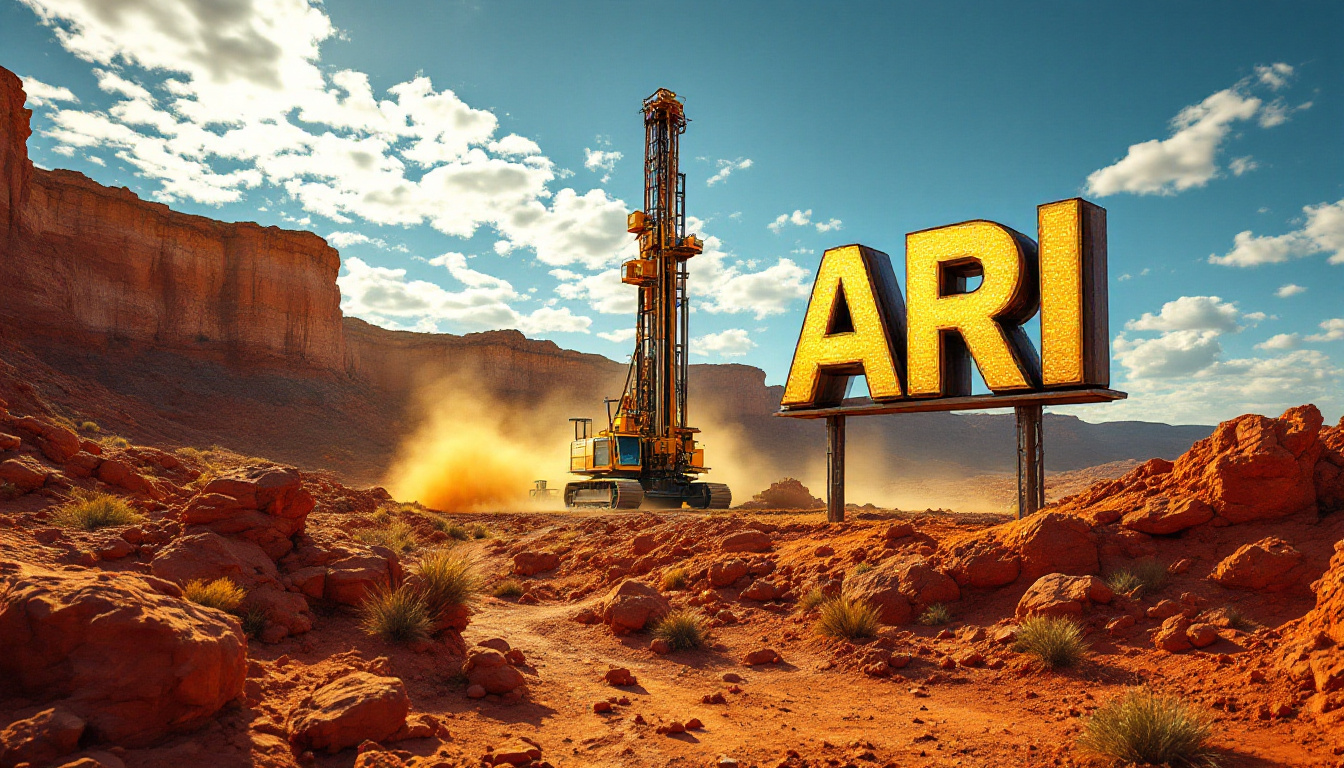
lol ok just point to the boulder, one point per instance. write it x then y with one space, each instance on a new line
24 473
532 563
286 612
208 556
1050 542
267 505
1329 474
901 587
354 570
120 474
762 590
1056 594
355 708
631 605
132 661
40 739
491 670
643 544
56 442
1270 564
1202 635
1172 636
1160 515
745 541
762 656
725 573
981 562
9 442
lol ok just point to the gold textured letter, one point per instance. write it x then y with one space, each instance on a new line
1075 331
855 324
947 322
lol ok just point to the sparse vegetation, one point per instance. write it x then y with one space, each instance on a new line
381 516
1237 619
847 618
456 531
810 601
1147 575
446 580
675 578
936 615
862 568
683 630
115 442
479 531
89 426
1122 581
90 511
397 536
400 614
1056 641
221 594
1146 729
253 621
508 588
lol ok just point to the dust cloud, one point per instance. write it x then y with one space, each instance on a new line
472 451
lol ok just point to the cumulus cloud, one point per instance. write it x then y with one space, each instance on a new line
601 160
726 168
1188 157
1240 165
341 239
386 296
1331 330
733 342
722 285
1280 341
1322 232
1289 289
801 218
619 336
1193 313
40 94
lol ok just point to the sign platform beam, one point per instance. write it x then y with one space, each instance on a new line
866 407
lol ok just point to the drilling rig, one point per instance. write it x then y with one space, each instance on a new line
647 454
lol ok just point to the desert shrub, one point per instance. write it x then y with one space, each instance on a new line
253 621
9 491
1144 728
1151 574
508 588
814 598
936 615
479 531
381 516
220 593
861 568
91 511
1237 619
1056 641
89 426
397 536
400 614
682 630
847 618
1122 581
456 531
115 442
675 578
446 580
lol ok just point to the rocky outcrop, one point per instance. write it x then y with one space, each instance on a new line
124 653
1252 468
1055 594
1313 646
902 587
266 505
631 605
1270 564
1048 542
358 707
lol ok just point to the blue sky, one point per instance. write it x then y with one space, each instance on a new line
473 161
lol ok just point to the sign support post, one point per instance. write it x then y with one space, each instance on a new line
1030 460
835 469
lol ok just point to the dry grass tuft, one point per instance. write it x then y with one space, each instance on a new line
1056 641
682 629
397 536
90 511
508 588
675 578
847 618
253 621
812 600
1146 729
936 615
400 615
222 594
446 581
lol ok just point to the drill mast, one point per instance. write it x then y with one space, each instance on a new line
648 452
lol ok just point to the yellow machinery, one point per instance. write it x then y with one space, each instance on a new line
647 454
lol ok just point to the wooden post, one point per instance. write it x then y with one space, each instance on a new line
1030 460
835 469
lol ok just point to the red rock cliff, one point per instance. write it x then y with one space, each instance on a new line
80 258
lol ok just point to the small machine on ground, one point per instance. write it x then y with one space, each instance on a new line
647 455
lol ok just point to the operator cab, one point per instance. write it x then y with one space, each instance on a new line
603 453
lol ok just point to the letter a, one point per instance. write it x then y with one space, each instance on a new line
855 325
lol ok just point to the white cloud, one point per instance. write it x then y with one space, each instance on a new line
1323 232
1331 330
1240 165
1188 157
1280 341
726 168
601 160
346 239
1289 289
619 336
733 342
603 290
724 287
1173 354
1274 75
801 218
382 295
1193 313
40 94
